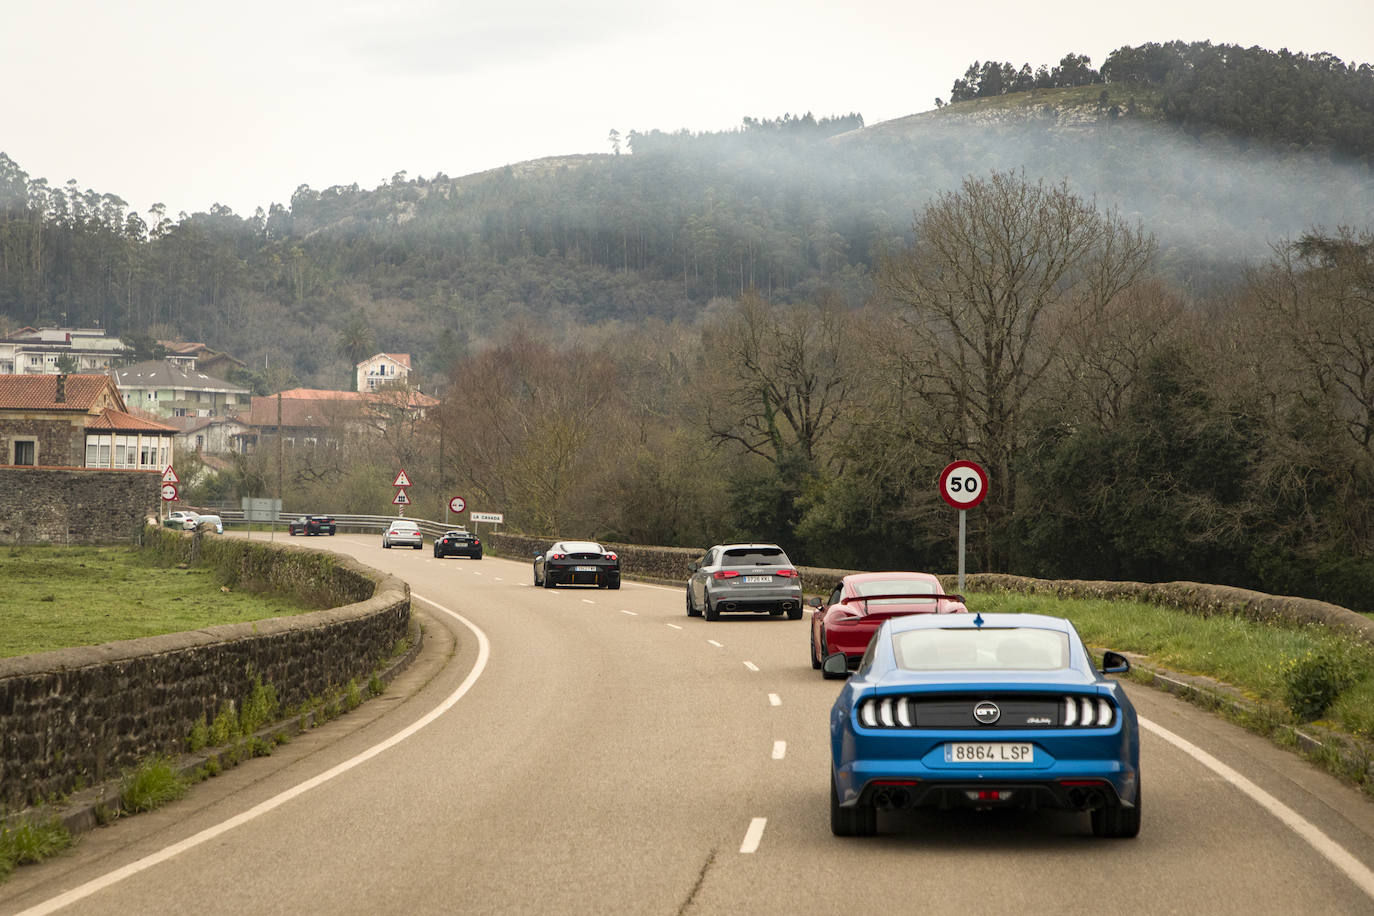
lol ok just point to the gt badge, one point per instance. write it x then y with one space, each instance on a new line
987 713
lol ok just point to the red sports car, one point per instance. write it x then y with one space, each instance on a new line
846 621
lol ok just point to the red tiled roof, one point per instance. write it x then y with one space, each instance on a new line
118 419
39 392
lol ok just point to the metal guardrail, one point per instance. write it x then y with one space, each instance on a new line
364 523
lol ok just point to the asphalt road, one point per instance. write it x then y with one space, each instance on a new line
586 751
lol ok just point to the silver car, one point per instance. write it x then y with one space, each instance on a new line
404 532
756 578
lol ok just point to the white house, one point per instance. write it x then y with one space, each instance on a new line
383 369
37 351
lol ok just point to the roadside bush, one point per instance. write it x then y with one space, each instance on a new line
1312 681
153 784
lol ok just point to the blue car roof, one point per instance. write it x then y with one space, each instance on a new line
971 621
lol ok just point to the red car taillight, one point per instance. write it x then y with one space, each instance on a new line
725 574
786 573
610 556
476 542
557 556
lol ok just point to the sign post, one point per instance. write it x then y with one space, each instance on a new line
402 500
963 484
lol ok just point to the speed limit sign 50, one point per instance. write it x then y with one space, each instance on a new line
963 484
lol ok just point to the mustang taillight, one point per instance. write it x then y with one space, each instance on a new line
1087 712
901 712
725 574
785 573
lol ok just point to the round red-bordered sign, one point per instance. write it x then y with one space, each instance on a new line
457 504
169 492
963 484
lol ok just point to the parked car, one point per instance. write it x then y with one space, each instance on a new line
984 712
756 578
404 532
577 563
458 543
311 524
182 519
210 523
848 618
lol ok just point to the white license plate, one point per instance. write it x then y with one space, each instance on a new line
584 569
989 752
758 579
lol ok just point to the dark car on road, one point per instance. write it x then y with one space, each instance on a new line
577 563
311 524
458 543
754 578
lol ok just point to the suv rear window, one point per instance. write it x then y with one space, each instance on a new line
755 556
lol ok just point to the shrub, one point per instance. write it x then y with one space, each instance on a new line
155 783
1313 680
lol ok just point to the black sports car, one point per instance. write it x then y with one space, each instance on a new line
577 563
458 543
311 524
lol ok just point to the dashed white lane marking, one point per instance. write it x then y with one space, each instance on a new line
754 835
588 601
628 613
716 644
498 579
1336 854
109 879
674 626
774 700
779 750
751 666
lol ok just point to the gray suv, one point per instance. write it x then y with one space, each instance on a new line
755 578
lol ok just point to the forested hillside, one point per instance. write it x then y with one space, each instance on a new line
746 334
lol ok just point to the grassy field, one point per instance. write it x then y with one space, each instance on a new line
1254 657
58 597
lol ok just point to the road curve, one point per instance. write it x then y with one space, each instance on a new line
586 751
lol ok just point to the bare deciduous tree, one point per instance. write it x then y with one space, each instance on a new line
991 265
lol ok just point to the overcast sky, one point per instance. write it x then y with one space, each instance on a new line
191 104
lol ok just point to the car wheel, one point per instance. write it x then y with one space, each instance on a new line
795 613
386 544
614 584
708 608
691 608
860 820
478 557
537 583
420 545
548 579
438 555
815 657
1116 820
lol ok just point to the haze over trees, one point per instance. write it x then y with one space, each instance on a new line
1149 317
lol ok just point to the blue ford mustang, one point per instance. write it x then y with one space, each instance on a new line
985 711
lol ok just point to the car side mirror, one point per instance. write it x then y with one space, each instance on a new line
1115 663
813 601
538 557
692 566
836 665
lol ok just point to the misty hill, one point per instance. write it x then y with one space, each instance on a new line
795 208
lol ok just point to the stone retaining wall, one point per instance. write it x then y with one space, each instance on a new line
75 505
76 717
670 564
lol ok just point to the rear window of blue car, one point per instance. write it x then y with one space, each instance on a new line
985 649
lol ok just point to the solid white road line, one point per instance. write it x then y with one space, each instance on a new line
754 835
111 878
779 750
1332 851
751 666
774 700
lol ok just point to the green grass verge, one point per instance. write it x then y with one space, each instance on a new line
31 841
1263 661
152 785
60 597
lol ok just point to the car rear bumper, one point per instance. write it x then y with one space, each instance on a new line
572 575
745 600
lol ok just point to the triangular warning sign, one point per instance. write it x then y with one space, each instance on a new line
170 476
401 498
401 479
